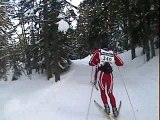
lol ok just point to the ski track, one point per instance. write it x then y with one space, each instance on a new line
52 101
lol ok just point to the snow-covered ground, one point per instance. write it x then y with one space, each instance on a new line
135 84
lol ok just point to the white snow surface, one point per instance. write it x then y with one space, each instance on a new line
63 25
135 84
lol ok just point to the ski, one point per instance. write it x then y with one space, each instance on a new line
119 107
108 116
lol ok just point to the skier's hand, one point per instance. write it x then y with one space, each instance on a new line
95 82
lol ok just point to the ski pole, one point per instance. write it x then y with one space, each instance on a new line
90 102
91 75
92 80
127 94
90 96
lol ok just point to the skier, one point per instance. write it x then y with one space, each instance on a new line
103 74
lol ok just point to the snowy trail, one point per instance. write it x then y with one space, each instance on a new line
38 99
66 100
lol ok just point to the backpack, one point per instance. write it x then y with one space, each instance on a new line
106 68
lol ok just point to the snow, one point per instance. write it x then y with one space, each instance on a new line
63 25
135 84
75 2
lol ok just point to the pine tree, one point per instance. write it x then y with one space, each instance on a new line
4 39
128 24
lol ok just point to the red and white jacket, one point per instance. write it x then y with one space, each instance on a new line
95 59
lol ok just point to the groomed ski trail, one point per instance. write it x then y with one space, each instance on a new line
68 99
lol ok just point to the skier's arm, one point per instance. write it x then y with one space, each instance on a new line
95 75
95 78
94 59
118 61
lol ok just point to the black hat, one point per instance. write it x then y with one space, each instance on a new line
103 45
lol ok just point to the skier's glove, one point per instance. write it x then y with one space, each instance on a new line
95 84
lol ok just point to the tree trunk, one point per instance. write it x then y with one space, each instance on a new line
126 46
46 42
57 75
152 48
147 50
133 52
57 68
28 61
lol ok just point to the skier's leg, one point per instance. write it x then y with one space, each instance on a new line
112 99
102 88
102 84
110 89
110 94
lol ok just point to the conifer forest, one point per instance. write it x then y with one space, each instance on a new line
31 38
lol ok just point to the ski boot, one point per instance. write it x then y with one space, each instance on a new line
115 112
107 109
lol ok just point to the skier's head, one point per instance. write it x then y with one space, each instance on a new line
104 46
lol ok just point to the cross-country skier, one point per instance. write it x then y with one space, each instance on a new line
104 76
